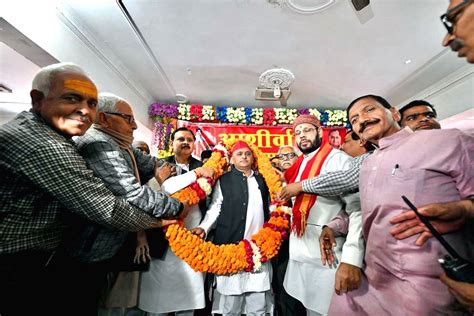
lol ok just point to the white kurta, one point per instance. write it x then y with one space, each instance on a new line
242 282
306 278
170 284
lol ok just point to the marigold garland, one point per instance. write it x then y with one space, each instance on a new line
248 255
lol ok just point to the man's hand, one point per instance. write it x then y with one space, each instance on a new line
291 190
199 232
204 172
142 252
347 278
445 217
327 242
164 222
186 209
464 292
164 171
280 174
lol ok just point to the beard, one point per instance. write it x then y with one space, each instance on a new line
314 145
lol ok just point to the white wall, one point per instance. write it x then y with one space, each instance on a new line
450 94
39 21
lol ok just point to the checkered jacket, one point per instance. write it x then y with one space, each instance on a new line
43 180
338 182
94 242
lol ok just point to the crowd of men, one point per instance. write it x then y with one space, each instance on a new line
81 223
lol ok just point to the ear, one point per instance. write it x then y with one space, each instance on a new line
102 119
362 142
320 132
36 100
395 114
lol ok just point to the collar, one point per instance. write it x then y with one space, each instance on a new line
311 154
395 138
242 173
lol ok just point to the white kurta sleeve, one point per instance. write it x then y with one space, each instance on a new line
353 248
214 209
176 183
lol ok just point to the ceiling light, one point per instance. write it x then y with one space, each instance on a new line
308 7
181 98
408 61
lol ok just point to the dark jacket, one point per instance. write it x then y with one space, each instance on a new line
156 237
230 225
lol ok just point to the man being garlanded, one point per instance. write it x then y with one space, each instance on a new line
239 208
307 279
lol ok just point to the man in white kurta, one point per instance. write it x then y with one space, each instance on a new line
307 279
171 285
238 210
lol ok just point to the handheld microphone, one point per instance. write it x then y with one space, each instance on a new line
455 267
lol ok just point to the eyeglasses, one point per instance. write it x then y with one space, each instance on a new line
128 118
449 18
287 156
305 130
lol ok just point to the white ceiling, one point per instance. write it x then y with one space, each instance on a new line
214 51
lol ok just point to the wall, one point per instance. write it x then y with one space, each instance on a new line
456 91
41 22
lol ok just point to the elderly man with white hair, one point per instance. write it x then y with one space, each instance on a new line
44 182
107 149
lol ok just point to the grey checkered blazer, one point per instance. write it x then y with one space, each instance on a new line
114 166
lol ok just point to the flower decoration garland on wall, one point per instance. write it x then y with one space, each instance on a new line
243 115
247 255
165 116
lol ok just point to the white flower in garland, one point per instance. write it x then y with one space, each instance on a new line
285 209
184 112
336 117
256 257
257 116
208 113
281 116
236 115
285 116
204 185
292 115
221 147
315 112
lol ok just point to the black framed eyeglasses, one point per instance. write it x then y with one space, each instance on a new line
129 118
449 18
287 156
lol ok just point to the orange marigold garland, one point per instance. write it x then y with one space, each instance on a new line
248 255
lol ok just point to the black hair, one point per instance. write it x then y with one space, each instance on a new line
182 129
334 130
377 98
416 103
206 154
368 145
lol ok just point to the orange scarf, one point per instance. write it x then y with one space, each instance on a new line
305 201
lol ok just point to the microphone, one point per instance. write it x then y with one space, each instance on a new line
456 44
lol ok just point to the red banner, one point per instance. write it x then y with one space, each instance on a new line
267 138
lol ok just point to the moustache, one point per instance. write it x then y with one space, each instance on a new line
364 125
456 44
185 146
81 118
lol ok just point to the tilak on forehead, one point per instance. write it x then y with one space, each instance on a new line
82 86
